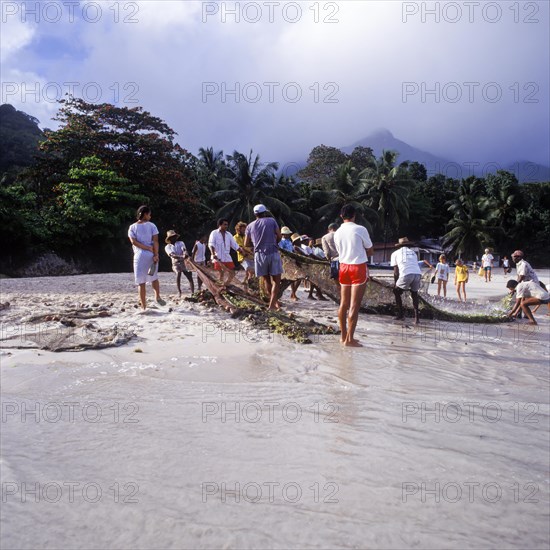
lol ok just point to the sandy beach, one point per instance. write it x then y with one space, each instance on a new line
202 432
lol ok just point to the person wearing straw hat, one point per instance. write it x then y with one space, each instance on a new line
177 252
407 275
286 242
354 245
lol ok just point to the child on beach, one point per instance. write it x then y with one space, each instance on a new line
461 278
506 265
198 255
442 275
177 252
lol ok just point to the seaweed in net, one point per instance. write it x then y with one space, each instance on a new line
379 297
242 303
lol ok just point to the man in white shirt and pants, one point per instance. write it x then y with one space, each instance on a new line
407 275
353 244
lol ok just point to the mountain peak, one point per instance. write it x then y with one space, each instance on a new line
381 133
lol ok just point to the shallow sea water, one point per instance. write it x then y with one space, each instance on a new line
429 437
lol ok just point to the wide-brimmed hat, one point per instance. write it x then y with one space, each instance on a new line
259 209
305 238
517 253
403 241
169 235
285 230
295 237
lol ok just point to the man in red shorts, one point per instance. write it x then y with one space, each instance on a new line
353 244
220 243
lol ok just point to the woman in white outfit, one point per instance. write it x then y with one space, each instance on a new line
144 237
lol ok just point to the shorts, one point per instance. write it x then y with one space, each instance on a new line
268 264
547 301
334 269
247 264
487 268
353 274
409 282
179 268
218 265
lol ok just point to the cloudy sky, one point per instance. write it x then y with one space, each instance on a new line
468 81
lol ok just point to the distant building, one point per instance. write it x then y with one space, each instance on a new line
426 249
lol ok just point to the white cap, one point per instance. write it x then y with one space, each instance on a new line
259 209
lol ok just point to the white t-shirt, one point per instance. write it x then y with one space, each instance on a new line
487 260
406 260
178 249
222 244
528 289
442 271
318 253
200 253
351 241
524 268
308 251
143 233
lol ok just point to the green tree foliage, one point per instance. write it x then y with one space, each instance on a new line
96 203
133 143
321 165
19 139
469 228
324 161
388 188
249 182
345 187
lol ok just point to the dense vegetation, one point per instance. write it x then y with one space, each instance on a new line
74 191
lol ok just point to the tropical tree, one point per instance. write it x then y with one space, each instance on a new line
345 188
249 183
210 170
503 200
387 187
92 206
470 228
133 143
321 165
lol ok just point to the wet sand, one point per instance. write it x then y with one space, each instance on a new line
204 433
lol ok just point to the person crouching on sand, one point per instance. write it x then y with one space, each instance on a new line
528 293
461 278
177 252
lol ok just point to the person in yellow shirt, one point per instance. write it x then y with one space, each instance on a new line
461 278
246 259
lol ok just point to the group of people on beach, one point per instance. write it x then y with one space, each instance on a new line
346 247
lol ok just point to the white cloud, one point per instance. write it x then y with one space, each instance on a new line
173 48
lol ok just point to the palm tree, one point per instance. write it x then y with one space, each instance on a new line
503 200
387 188
470 228
248 183
211 169
344 188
